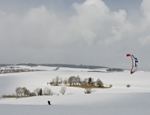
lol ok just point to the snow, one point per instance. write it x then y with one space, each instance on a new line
118 100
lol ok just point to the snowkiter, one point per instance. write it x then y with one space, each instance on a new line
49 102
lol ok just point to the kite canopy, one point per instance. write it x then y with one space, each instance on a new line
134 63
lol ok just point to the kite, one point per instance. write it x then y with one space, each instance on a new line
134 63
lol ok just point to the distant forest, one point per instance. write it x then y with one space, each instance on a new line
73 66
57 65
69 66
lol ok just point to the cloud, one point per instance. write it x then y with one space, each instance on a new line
98 24
145 8
92 28
144 24
92 23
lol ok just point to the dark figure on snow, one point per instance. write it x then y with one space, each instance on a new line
49 102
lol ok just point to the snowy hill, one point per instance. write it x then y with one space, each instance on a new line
117 100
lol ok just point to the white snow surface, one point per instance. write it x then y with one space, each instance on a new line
118 100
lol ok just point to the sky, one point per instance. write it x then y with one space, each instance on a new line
87 32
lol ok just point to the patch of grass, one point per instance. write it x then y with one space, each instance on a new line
13 96
90 86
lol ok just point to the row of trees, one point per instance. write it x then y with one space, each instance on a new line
23 91
73 80
57 80
87 83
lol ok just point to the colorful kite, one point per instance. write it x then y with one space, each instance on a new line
134 63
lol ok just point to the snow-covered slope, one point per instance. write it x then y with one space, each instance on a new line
118 100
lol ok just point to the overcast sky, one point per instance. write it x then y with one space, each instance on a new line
88 32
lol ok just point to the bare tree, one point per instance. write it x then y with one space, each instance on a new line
85 82
40 92
65 81
110 85
19 91
60 80
52 82
87 90
47 91
63 89
26 92
78 80
56 81
89 80
99 83
72 80
36 91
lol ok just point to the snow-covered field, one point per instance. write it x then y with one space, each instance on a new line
118 100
